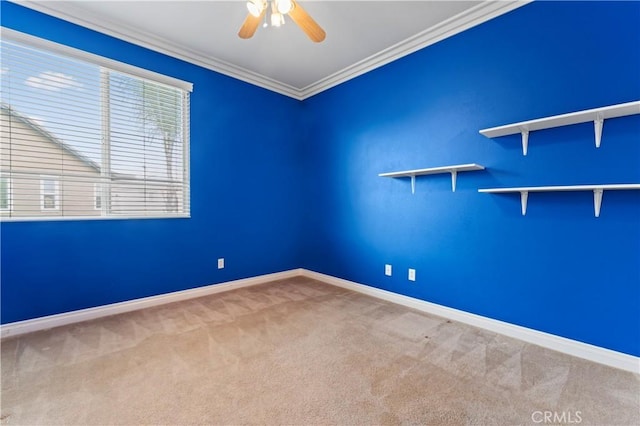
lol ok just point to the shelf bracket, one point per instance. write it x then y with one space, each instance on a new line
524 195
413 184
525 141
597 200
454 175
598 123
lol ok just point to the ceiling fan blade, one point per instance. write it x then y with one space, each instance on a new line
306 23
250 25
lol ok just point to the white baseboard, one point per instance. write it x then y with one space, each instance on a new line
550 341
561 344
44 323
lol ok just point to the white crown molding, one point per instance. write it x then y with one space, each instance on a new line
70 13
484 11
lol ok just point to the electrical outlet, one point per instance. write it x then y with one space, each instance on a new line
221 263
412 274
387 270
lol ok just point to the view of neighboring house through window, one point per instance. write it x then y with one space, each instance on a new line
84 136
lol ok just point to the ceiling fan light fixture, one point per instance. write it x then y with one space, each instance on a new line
277 19
279 8
284 6
256 7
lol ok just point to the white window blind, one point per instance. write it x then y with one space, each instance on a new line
87 137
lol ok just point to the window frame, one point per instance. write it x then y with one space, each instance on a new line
136 72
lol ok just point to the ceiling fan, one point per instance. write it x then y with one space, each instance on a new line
260 8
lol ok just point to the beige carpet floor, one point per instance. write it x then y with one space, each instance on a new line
299 352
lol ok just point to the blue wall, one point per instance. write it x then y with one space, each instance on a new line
244 181
314 200
558 269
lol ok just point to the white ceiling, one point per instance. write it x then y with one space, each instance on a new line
361 35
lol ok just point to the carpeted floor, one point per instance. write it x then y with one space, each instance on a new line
299 352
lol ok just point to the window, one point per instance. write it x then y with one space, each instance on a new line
87 137
5 194
49 193
97 196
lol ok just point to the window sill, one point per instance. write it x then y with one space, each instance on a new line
82 218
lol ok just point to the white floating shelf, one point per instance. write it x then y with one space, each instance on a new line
597 192
597 115
432 171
